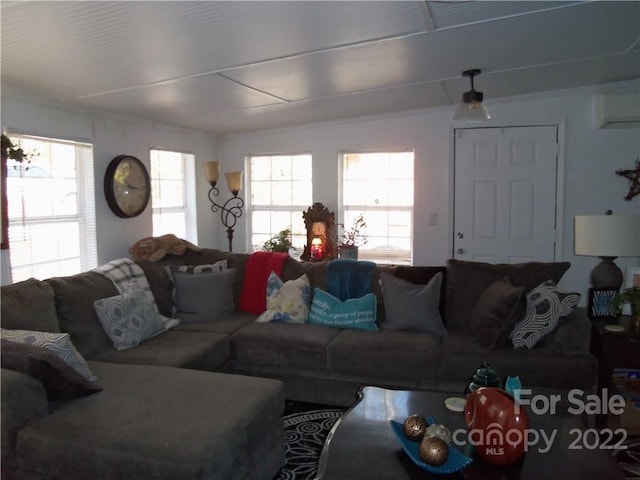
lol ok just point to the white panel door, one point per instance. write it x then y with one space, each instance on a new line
505 194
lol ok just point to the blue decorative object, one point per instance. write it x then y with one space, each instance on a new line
513 386
348 278
456 461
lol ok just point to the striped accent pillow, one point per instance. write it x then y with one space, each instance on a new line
546 304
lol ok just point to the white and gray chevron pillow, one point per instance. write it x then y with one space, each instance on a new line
130 318
546 304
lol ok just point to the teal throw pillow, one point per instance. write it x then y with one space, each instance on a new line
330 311
287 302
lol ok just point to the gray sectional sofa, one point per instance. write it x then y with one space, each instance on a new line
205 400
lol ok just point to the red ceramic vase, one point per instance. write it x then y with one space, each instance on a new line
496 428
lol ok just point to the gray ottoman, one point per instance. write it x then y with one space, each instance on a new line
161 423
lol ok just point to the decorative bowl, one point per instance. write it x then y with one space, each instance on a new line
456 461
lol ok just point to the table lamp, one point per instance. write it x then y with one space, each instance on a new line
607 237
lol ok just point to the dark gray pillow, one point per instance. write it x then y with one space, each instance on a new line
408 306
499 308
203 297
60 380
29 305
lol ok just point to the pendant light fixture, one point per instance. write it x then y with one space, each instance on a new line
472 108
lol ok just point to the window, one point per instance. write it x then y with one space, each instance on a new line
173 204
379 185
51 209
281 189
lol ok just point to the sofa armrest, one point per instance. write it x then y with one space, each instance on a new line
573 333
24 401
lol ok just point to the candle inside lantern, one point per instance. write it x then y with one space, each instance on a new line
316 248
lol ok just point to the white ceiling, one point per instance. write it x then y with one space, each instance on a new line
235 66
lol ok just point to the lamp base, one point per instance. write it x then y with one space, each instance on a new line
606 274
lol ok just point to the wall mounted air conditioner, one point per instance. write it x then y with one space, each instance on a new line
618 110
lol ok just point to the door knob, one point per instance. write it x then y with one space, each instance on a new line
460 235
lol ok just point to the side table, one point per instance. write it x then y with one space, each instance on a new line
613 350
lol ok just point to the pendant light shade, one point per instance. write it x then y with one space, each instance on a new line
472 108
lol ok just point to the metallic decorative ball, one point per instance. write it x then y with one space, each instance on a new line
439 430
434 451
414 427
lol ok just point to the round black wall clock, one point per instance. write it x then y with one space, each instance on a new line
127 186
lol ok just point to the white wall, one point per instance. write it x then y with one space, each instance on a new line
591 157
110 137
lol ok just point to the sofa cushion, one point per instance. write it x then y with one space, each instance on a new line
412 307
467 280
349 278
392 355
258 268
282 345
203 297
461 355
499 308
75 295
161 285
130 318
545 305
182 349
58 343
60 380
28 305
207 425
330 311
287 302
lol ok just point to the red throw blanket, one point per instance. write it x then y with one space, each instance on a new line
254 290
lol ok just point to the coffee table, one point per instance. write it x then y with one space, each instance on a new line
362 445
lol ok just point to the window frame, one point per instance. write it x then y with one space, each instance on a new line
385 257
188 207
84 217
292 208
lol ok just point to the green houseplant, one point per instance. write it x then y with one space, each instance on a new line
631 296
280 242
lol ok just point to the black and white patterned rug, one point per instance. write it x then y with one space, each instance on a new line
305 433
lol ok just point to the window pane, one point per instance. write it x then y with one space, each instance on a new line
281 189
169 192
379 185
51 209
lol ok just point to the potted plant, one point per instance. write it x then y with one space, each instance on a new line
280 242
353 238
631 296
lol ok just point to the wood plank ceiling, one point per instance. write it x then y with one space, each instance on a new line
235 66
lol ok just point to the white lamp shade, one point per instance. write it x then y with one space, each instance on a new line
607 235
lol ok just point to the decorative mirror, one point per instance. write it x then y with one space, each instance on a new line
321 234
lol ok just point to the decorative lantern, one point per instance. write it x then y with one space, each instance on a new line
317 248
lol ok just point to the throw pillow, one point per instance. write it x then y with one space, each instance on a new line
58 343
60 380
205 297
408 306
545 305
130 318
197 269
327 310
287 302
500 307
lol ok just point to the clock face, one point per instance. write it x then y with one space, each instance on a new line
319 229
127 186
